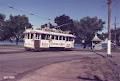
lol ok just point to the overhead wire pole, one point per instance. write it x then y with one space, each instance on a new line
115 24
109 2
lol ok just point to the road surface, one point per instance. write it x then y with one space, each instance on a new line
16 61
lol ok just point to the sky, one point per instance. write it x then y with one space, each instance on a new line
40 11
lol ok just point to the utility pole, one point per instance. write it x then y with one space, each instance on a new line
115 24
109 2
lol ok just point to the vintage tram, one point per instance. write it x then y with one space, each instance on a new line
40 39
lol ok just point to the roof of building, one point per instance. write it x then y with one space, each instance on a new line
96 38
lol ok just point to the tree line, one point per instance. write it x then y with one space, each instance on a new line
13 27
83 29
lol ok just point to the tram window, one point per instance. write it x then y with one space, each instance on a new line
53 37
31 36
25 36
67 38
43 36
56 37
28 35
37 36
47 37
63 38
70 39
60 38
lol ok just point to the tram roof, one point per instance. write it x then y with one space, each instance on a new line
47 32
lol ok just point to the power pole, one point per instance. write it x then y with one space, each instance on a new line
115 24
109 2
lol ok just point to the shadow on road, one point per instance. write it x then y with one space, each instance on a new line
95 78
12 52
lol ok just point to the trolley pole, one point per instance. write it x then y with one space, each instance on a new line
109 2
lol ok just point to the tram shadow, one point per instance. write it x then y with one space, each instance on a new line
50 49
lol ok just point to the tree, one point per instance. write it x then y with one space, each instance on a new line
64 23
2 24
47 25
44 25
83 29
115 39
2 18
16 25
90 26
118 36
78 31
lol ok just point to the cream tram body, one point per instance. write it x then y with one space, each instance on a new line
42 39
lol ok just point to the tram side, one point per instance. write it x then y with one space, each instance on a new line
40 41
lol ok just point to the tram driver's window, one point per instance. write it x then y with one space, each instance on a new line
72 38
67 38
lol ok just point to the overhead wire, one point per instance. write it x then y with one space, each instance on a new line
47 19
29 13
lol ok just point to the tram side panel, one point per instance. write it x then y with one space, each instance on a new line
69 44
57 43
36 44
29 43
44 44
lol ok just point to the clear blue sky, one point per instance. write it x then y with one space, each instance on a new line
49 9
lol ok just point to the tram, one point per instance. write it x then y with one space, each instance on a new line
46 38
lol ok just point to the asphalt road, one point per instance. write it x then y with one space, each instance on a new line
16 61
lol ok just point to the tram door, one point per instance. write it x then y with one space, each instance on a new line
37 44
37 41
